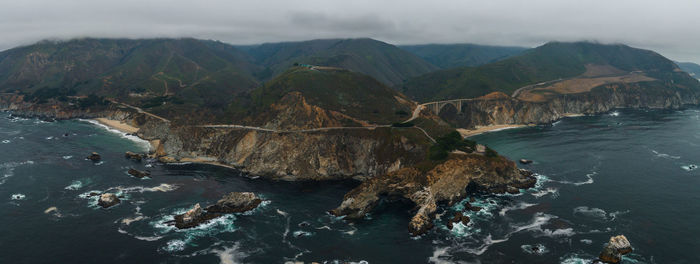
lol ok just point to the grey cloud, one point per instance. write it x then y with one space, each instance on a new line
671 27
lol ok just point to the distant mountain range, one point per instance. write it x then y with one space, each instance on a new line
691 68
448 56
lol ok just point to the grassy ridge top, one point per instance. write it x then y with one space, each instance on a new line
351 93
548 62
384 62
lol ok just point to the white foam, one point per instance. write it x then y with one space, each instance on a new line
18 196
439 253
575 259
75 185
301 233
230 255
550 190
519 206
163 187
537 249
690 167
175 245
67 157
591 212
6 141
614 113
664 155
588 181
586 241
9 168
144 144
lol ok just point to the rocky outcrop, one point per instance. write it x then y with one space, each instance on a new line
614 249
138 174
107 200
134 156
504 110
94 157
446 182
235 202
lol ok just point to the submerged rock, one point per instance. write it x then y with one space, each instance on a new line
138 174
94 157
133 156
614 249
525 161
457 218
108 200
235 202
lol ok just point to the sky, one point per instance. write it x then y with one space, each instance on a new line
670 27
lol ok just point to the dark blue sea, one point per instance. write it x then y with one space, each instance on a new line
630 172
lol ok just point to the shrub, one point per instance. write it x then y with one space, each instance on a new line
491 153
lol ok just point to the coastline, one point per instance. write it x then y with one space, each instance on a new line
485 129
125 130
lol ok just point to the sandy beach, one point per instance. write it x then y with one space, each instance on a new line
480 130
123 127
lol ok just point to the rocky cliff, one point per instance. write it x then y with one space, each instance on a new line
501 109
447 182
307 155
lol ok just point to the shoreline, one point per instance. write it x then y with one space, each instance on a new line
485 129
126 130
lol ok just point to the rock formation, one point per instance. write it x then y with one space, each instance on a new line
108 200
614 249
139 174
446 182
94 157
133 156
235 202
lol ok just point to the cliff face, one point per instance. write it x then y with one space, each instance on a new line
311 155
502 110
446 182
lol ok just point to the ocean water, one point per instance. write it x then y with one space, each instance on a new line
628 172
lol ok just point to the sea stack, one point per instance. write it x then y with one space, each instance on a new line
108 200
139 174
94 157
235 202
133 156
614 249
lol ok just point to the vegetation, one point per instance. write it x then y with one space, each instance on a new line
448 143
548 62
461 55
384 62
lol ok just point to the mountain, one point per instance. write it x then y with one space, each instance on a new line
384 62
315 96
461 55
167 75
691 68
581 65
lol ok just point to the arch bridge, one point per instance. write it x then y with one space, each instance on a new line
437 106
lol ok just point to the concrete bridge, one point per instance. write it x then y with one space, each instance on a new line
437 106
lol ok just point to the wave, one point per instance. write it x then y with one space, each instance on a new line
550 190
6 141
144 144
75 185
597 213
18 196
690 167
664 155
537 249
67 157
576 259
589 180
519 206
9 169
230 255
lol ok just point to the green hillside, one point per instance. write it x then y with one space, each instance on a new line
551 61
461 55
353 94
384 62
167 76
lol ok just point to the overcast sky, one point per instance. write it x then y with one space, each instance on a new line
671 27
